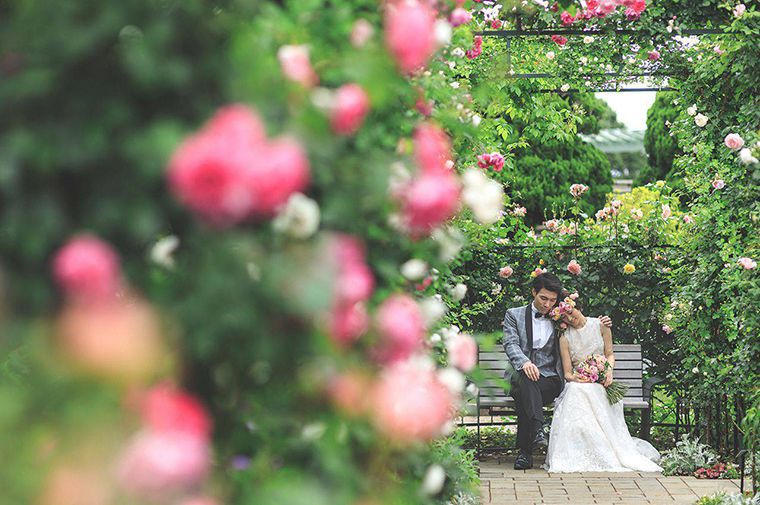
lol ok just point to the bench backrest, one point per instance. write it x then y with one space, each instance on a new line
628 369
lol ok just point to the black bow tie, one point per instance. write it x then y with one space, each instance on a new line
540 315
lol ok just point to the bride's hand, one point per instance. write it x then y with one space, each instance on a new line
608 380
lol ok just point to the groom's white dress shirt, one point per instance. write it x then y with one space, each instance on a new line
542 329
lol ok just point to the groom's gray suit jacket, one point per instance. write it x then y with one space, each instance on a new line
518 341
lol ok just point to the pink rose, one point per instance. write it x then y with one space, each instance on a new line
349 392
506 272
667 329
734 142
747 263
688 219
361 32
401 325
567 18
348 323
574 267
157 465
666 212
281 170
168 409
718 184
739 10
87 269
653 55
431 199
404 388
476 49
460 16
432 148
351 107
463 352
497 160
410 33
606 7
484 160
296 66
559 40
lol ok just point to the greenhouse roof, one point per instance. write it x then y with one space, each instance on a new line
617 140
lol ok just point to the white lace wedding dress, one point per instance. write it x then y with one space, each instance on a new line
588 434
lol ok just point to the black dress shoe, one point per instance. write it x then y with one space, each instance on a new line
524 462
540 440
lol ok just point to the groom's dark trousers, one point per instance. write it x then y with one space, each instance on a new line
530 397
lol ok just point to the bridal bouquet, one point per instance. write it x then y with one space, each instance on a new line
595 369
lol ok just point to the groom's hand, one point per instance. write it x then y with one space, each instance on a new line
531 371
605 320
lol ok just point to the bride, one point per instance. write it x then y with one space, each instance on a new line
587 433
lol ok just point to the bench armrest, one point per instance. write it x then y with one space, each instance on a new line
647 384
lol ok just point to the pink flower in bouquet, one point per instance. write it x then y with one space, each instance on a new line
120 340
168 409
463 352
351 107
578 189
410 33
361 32
718 183
506 272
296 65
653 55
406 388
747 263
460 16
348 323
734 141
87 269
159 464
432 148
401 325
667 329
574 267
559 40
567 18
430 200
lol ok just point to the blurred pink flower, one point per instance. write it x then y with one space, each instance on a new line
559 40
432 148
168 409
410 33
355 281
666 212
718 183
361 32
349 392
351 107
506 272
460 16
667 329
348 323
574 267
747 263
430 200
653 55
477 47
401 325
119 340
281 170
463 352
567 18
296 65
158 465
739 10
688 219
199 500
238 124
406 388
734 141
87 269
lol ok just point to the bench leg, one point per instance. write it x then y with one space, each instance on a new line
646 424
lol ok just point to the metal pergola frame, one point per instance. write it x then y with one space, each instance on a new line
511 34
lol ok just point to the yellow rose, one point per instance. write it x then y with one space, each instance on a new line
629 268
541 262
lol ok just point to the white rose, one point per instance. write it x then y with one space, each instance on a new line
432 310
550 55
701 120
432 483
588 39
414 269
691 110
483 195
476 120
458 52
453 379
458 292
564 88
745 155
299 218
442 32
162 251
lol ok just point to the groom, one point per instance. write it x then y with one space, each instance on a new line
536 376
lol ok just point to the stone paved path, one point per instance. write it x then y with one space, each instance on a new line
501 484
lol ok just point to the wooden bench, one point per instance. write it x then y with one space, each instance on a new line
492 400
